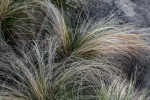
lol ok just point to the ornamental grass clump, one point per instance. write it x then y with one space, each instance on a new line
35 75
64 58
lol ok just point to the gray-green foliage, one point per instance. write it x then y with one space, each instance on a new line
13 18
63 57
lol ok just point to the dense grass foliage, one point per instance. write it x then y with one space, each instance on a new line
54 50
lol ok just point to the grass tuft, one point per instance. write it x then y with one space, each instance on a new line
65 58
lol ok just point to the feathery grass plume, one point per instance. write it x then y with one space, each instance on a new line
35 75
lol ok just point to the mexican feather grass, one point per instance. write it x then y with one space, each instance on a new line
59 60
